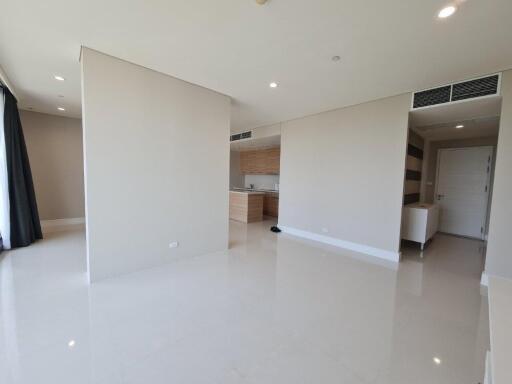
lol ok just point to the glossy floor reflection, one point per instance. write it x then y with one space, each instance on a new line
271 310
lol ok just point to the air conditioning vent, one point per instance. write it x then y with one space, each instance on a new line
485 86
241 136
476 88
432 97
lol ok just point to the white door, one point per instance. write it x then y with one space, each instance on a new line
462 190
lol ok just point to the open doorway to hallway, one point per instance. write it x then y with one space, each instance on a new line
449 180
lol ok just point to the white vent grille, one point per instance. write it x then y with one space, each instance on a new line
485 86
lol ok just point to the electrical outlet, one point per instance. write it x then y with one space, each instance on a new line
173 244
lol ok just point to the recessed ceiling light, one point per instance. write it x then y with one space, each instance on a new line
336 58
60 78
61 109
273 85
71 343
437 360
459 126
446 12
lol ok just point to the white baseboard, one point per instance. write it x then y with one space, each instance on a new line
484 280
58 225
361 248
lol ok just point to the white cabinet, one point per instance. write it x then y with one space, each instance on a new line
419 222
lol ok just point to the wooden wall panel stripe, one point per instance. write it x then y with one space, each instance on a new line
416 139
413 163
412 175
412 186
413 168
414 151
411 198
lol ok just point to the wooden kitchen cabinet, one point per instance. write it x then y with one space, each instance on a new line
272 161
271 204
260 162
245 162
250 163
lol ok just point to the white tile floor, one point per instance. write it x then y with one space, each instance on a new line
271 310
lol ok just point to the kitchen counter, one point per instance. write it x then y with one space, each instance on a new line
254 190
246 206
247 192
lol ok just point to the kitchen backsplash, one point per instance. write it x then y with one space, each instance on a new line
262 181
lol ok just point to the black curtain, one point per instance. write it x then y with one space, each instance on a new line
25 225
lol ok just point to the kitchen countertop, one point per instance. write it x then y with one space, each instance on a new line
247 192
253 190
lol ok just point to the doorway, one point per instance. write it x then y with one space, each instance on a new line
255 158
462 190
448 183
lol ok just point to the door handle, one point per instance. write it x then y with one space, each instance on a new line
439 197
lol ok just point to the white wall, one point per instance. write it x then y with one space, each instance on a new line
55 149
157 160
499 254
342 175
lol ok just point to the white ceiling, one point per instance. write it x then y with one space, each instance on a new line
237 47
480 118
252 144
461 110
479 127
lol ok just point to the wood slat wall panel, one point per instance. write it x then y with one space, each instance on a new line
412 175
413 163
415 151
412 186
413 168
411 198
